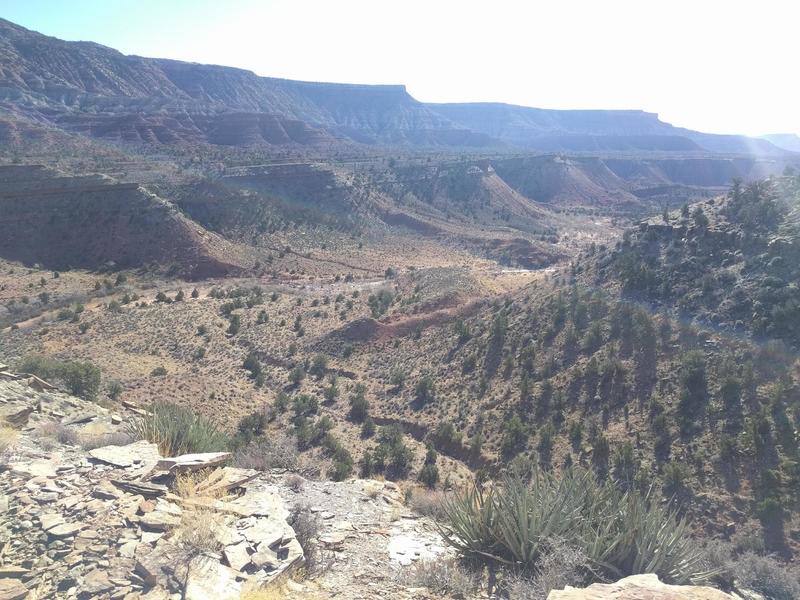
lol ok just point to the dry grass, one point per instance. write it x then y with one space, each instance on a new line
278 592
444 576
96 435
194 485
51 432
197 532
269 593
8 438
429 503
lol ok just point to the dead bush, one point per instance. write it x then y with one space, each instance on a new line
197 532
295 482
56 432
306 525
559 566
277 451
766 576
443 576
428 503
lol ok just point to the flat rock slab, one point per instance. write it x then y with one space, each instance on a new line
407 547
11 571
159 521
237 556
123 457
639 587
36 468
261 503
267 532
192 462
142 488
12 589
50 520
64 530
95 583
208 578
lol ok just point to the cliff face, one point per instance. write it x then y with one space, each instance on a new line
100 92
92 221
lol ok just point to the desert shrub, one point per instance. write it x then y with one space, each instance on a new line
114 390
515 436
560 565
359 405
675 476
425 390
80 378
342 465
297 374
444 577
397 378
693 385
429 474
766 576
90 439
235 324
305 405
392 456
621 533
177 430
368 428
306 525
275 451
429 503
445 437
52 430
250 426
319 364
379 302
158 372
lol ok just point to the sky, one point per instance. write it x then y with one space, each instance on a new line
711 65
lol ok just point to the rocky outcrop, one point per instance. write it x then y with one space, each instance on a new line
639 587
85 524
84 513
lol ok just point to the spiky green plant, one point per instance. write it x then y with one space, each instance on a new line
177 430
621 533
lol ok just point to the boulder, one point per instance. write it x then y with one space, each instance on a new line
639 587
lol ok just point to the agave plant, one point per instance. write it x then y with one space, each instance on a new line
471 522
621 533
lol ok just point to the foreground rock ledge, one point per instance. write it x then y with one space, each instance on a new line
639 587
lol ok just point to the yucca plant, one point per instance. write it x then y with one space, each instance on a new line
177 430
471 522
621 533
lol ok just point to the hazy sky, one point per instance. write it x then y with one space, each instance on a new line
718 66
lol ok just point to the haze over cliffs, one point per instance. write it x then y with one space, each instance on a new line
96 91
